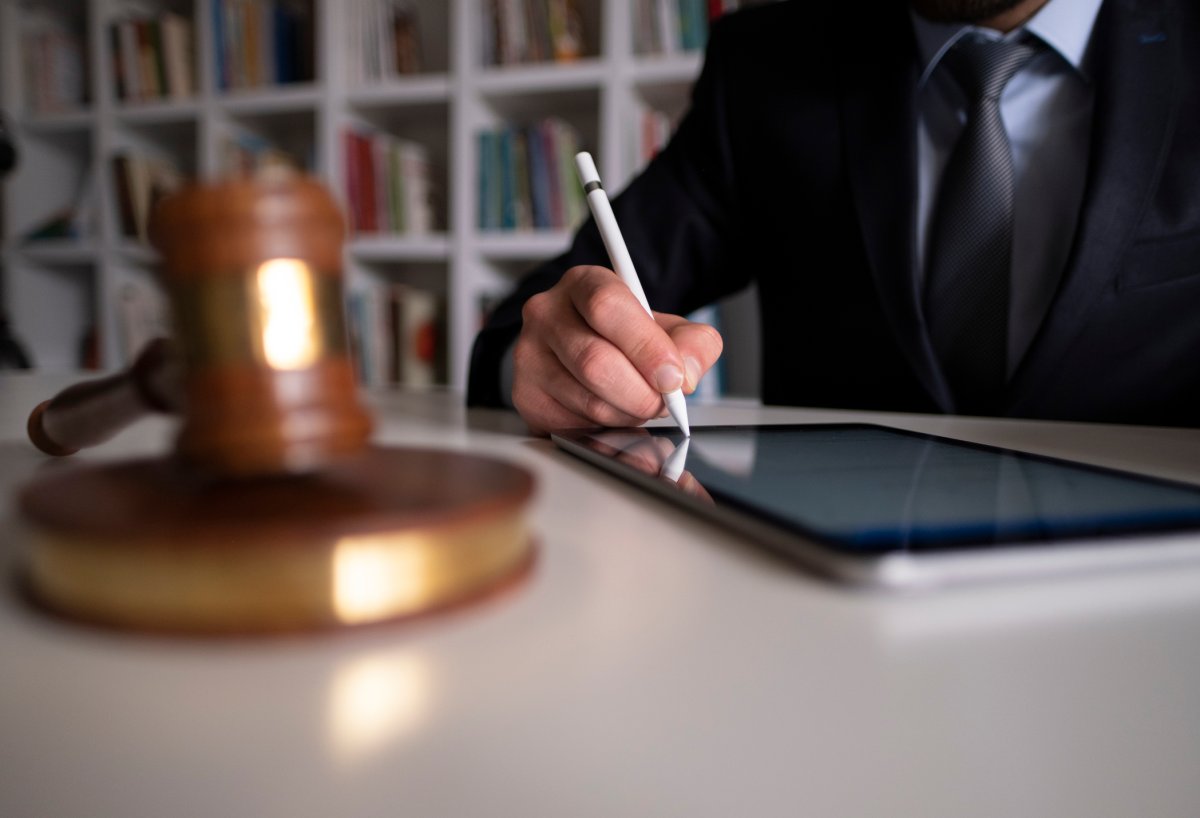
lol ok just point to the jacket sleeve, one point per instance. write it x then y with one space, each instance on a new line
679 218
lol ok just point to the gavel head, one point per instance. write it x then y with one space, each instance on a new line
253 271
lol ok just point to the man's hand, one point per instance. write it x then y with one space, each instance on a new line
588 355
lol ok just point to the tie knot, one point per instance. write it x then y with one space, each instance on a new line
983 67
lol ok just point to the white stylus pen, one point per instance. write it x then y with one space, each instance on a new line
622 262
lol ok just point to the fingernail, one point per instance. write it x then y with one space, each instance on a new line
668 378
693 372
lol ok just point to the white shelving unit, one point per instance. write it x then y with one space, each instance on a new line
55 291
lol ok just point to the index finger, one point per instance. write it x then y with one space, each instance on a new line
610 308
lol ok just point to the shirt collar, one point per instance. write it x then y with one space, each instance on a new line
1064 25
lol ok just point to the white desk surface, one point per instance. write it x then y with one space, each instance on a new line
652 666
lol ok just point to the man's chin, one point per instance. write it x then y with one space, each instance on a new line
962 11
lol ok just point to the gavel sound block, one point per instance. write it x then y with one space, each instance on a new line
273 513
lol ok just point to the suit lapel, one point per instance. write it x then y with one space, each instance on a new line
1131 60
878 87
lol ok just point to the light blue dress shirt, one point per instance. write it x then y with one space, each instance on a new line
1047 112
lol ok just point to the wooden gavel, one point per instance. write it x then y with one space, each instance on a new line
91 412
259 367
273 513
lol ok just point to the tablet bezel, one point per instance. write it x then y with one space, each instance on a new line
971 561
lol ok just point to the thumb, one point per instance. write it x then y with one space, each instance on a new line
699 346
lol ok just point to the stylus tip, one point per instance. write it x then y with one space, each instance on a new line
677 408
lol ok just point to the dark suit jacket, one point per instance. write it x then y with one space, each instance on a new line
795 168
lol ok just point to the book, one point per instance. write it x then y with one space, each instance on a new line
140 182
554 185
220 44
565 30
406 40
382 205
530 31
418 343
147 63
178 57
522 194
389 183
566 145
263 42
537 27
527 177
514 48
283 50
252 43
399 214
153 58
488 184
416 177
366 184
53 64
508 181
693 26
396 333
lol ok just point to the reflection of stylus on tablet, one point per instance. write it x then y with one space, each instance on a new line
673 466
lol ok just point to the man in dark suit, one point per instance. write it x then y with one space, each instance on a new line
843 159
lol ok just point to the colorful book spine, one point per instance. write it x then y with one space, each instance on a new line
529 31
397 335
486 181
527 178
152 58
508 182
389 183
263 42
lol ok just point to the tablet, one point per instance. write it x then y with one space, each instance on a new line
880 506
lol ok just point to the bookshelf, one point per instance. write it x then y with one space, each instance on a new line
97 286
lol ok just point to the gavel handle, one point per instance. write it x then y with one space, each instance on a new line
91 412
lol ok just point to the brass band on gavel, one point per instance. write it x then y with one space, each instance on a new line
253 271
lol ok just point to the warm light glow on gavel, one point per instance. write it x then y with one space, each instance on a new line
374 578
287 313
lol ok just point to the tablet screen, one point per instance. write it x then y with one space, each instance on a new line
871 489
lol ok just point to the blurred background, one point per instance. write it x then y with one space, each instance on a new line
445 129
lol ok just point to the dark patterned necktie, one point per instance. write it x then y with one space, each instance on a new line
970 258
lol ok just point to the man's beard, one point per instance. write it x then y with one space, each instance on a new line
962 11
